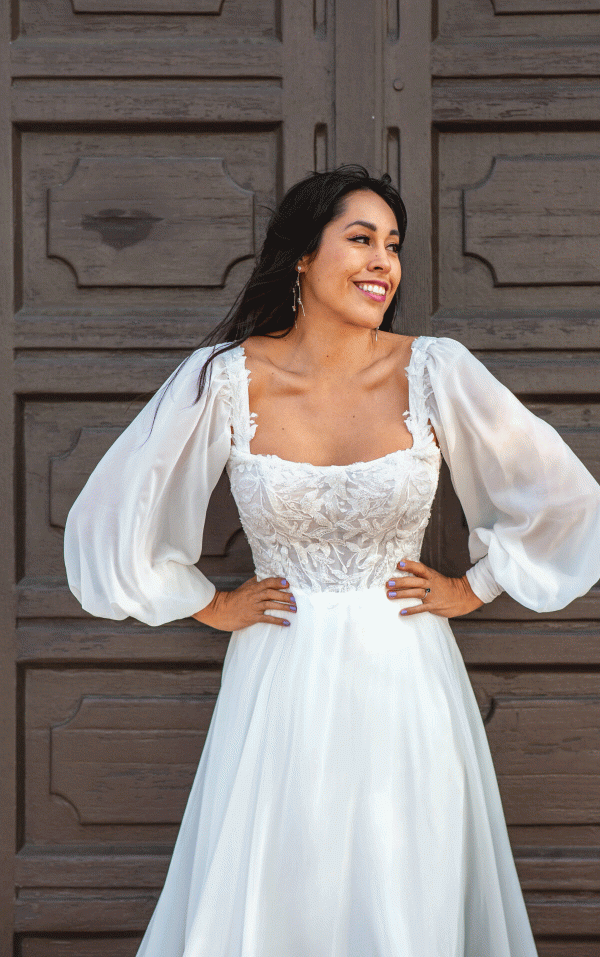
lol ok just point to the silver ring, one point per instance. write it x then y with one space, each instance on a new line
427 590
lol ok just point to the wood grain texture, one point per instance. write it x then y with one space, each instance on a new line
150 222
116 946
546 758
10 244
146 101
542 234
533 166
49 155
476 20
127 759
530 643
510 56
108 642
198 7
144 56
59 911
253 20
545 6
516 101
94 805
516 332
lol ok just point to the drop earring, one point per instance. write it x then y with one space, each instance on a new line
297 297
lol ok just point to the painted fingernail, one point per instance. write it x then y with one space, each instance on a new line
391 594
400 564
283 582
391 584
404 611
285 622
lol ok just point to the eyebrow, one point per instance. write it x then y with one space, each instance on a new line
371 226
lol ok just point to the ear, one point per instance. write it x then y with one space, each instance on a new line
305 262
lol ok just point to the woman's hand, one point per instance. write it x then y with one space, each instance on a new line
246 605
447 597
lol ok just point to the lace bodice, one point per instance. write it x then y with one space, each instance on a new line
333 527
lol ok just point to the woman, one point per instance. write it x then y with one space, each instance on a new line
346 803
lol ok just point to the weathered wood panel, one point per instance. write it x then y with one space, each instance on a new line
77 791
150 222
92 947
543 234
117 754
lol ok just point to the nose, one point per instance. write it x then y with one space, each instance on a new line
381 261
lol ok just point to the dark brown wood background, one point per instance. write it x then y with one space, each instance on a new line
143 143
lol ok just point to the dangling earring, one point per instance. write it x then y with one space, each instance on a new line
297 296
376 331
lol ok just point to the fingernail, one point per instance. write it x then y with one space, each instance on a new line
285 622
391 594
391 584
293 608
283 582
400 564
404 611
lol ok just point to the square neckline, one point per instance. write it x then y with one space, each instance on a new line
408 416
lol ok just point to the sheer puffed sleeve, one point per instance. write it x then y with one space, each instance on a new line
135 532
532 508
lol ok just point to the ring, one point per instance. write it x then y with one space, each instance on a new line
427 590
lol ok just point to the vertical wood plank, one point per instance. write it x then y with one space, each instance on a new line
408 106
7 571
357 81
307 96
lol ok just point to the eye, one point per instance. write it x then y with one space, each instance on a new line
395 247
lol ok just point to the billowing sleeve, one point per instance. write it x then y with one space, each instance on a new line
134 534
532 508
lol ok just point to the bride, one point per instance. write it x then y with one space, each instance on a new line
345 803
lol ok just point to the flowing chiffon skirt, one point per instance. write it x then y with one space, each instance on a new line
345 804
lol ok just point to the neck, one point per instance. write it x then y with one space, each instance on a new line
330 345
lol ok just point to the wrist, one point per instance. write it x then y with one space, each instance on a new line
473 600
207 615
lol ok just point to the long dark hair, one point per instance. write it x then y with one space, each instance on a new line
264 306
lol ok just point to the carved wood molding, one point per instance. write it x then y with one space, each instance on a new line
150 221
129 760
534 220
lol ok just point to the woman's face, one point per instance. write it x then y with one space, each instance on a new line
356 270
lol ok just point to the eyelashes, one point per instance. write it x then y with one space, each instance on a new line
352 239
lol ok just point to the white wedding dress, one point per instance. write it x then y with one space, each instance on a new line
346 803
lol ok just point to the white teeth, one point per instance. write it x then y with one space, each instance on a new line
369 287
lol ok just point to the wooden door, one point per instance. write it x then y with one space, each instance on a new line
514 174
128 128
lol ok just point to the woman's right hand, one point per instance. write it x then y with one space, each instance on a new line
247 605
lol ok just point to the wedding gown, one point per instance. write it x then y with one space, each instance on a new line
346 803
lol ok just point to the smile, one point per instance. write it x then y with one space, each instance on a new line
373 290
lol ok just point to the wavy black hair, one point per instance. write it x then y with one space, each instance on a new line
264 306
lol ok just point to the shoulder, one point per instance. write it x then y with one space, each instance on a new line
440 347
183 385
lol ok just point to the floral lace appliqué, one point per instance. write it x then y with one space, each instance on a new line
333 528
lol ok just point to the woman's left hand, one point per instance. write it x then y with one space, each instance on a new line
447 597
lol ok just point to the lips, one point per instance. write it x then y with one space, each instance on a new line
373 290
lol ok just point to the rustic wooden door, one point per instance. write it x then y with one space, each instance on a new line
143 144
